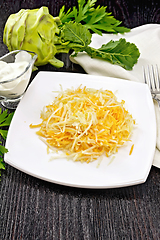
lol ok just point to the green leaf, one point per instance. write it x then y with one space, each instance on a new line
96 19
65 17
83 9
3 115
2 164
3 133
3 150
119 52
5 118
106 27
95 16
77 36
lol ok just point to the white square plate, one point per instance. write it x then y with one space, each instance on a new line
29 154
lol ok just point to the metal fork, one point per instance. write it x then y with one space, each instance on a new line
152 78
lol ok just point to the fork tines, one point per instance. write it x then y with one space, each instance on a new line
152 78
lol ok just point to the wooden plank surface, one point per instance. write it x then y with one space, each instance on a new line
32 209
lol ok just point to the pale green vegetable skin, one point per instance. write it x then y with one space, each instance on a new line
34 30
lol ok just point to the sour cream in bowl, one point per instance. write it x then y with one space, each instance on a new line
15 72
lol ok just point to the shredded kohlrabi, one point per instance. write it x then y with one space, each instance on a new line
85 124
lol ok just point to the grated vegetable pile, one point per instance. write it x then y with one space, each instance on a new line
85 123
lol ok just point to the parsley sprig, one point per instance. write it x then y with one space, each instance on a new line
96 19
5 120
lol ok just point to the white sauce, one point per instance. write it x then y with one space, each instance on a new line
9 71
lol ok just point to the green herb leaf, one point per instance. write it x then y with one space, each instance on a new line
65 17
2 164
119 52
106 24
5 120
77 15
95 19
2 150
3 133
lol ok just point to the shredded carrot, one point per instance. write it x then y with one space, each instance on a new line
85 123
35 126
131 150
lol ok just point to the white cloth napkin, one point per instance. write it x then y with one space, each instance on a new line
147 39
